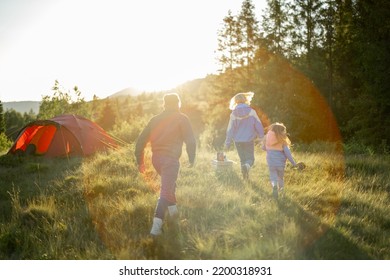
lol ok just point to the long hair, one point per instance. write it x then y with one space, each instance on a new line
280 132
242 97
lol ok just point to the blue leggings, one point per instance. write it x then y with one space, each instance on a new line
276 175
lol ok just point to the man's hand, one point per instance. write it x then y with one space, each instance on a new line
141 168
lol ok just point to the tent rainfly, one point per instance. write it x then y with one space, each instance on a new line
65 135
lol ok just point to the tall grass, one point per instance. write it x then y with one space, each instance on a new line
102 208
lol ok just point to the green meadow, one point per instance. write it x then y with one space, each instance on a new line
319 67
101 208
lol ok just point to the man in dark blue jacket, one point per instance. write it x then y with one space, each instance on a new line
166 132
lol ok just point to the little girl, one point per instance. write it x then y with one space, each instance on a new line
276 144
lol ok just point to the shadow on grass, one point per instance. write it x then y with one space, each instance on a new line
317 240
228 176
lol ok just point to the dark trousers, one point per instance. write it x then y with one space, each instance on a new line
246 152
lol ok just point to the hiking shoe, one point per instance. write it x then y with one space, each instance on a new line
245 170
275 192
156 227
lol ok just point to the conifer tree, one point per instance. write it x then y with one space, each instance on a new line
369 52
329 41
229 40
107 116
276 26
306 32
248 25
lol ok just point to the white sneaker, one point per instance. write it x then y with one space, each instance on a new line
156 227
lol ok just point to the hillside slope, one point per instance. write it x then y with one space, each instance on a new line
22 106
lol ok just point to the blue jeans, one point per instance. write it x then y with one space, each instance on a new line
246 152
168 169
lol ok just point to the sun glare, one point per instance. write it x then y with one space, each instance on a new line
103 47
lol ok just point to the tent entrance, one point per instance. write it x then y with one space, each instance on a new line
64 135
36 139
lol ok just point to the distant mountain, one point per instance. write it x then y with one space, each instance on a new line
125 92
25 106
22 106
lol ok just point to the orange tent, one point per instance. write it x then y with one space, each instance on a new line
64 135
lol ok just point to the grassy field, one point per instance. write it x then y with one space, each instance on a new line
101 208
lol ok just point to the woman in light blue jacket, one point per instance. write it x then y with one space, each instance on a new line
243 128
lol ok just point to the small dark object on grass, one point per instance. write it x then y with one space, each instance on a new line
300 165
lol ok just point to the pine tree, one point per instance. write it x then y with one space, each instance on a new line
328 44
276 27
306 32
229 39
107 116
248 25
369 72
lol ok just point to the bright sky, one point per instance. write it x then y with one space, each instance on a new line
104 46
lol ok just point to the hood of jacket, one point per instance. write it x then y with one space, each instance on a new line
242 111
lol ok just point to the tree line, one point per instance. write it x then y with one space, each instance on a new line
340 46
